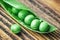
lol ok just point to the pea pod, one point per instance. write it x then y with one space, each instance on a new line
8 4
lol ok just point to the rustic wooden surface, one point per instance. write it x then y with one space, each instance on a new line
43 9
55 4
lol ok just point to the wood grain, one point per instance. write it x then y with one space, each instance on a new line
4 36
54 4
46 9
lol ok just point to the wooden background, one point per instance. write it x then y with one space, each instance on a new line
49 10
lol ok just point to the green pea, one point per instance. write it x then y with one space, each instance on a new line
14 10
44 27
22 14
15 28
35 24
28 19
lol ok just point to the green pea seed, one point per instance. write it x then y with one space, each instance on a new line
14 10
15 28
35 24
28 19
44 27
22 14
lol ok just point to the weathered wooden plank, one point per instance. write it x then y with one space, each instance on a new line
4 36
55 4
9 32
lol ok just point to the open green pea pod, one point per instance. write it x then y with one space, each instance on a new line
8 4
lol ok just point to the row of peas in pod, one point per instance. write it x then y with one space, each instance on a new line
30 19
